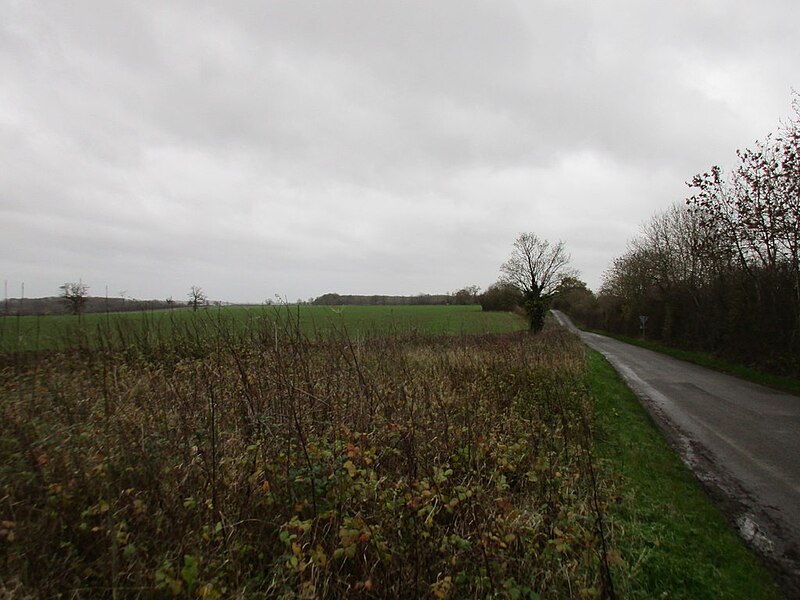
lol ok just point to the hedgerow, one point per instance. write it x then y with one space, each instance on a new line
275 465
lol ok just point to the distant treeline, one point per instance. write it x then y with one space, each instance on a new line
379 300
56 305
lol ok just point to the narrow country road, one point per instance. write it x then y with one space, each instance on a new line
742 441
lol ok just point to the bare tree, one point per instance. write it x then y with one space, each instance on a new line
75 295
755 211
536 267
197 297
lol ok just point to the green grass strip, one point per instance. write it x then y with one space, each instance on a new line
786 384
670 540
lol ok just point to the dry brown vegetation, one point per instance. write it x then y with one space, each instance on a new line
273 465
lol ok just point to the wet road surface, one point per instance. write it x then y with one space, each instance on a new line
742 440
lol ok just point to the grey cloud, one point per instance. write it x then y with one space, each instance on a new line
390 147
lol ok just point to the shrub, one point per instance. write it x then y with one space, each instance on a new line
269 464
501 296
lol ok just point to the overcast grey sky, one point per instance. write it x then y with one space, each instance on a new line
295 148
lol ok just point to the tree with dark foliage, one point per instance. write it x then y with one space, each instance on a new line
500 296
721 273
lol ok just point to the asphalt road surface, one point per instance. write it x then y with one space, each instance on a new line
742 441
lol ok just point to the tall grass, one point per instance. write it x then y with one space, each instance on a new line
262 462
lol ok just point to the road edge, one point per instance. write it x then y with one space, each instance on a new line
723 488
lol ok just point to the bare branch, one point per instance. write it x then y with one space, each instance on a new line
75 295
536 266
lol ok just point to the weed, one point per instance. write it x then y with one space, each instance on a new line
263 462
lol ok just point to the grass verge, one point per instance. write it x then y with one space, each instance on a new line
670 540
786 384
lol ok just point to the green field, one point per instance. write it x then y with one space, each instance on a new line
57 332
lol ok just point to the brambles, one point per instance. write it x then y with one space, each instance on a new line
265 463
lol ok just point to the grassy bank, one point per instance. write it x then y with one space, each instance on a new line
786 384
670 540
58 332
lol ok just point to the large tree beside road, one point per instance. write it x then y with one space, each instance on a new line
536 268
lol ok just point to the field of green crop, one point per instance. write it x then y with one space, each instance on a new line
93 330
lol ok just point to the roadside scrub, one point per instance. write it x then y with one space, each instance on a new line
670 539
260 462
271 464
